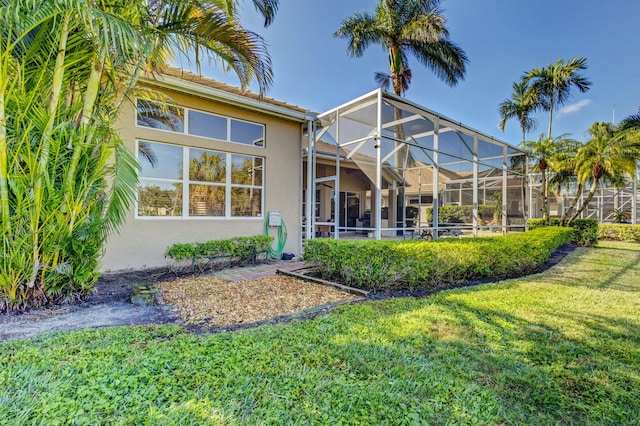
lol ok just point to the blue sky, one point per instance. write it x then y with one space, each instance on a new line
502 38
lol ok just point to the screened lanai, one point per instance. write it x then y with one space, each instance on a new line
384 167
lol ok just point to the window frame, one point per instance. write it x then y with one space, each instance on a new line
185 125
186 183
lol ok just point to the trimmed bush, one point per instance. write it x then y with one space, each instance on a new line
585 230
237 250
619 232
412 264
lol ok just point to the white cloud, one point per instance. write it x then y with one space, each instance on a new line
575 107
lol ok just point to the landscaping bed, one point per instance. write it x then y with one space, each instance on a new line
210 302
202 303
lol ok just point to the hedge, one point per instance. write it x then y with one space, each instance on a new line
237 250
619 232
374 265
585 230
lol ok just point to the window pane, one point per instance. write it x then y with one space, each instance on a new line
247 133
207 125
160 116
246 170
159 198
206 200
258 171
159 160
207 166
246 202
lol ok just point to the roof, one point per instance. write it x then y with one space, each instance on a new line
187 82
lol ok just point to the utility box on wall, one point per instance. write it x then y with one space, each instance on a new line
275 218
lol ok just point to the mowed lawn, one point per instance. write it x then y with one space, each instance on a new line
561 347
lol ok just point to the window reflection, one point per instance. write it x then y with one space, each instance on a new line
160 116
207 183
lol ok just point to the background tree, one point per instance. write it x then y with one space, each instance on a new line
552 85
519 106
543 153
630 122
610 156
403 28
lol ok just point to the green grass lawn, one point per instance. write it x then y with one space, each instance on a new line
561 347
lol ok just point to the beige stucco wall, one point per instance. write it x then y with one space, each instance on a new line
142 242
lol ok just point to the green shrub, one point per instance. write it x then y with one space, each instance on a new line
619 232
415 264
585 230
237 250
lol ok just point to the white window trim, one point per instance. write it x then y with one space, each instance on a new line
187 182
185 126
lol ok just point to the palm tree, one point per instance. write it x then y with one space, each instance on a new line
630 122
552 85
520 106
209 28
544 153
610 156
406 27
66 178
267 8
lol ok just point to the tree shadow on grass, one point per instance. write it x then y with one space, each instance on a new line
512 369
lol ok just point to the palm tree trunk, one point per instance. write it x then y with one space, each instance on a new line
43 162
574 202
91 94
550 117
586 202
4 184
545 200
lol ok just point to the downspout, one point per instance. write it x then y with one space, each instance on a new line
311 193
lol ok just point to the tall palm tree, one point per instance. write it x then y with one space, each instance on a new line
403 28
610 156
553 84
519 106
544 154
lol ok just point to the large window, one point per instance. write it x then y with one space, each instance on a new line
178 181
198 123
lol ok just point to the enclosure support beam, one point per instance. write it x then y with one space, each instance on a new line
634 197
378 233
336 193
436 176
505 177
475 186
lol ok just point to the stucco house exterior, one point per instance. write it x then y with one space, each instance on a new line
226 159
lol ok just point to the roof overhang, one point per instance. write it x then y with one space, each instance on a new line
233 99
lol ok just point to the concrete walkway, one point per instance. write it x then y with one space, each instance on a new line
242 273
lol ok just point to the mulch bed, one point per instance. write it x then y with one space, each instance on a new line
211 302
